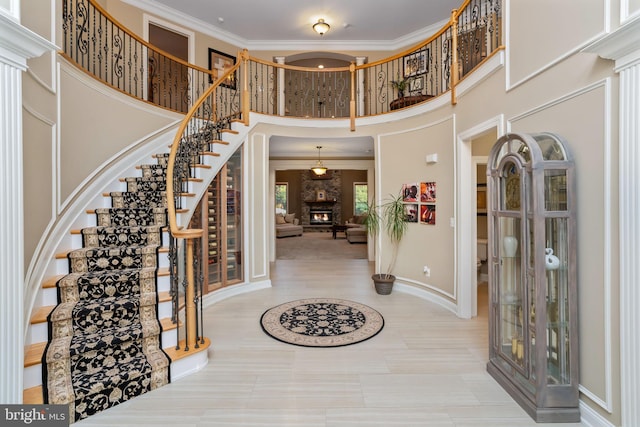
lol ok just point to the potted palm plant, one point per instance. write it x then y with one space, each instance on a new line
400 84
392 217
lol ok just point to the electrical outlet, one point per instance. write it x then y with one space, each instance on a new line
426 270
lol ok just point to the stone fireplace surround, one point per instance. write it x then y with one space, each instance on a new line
332 186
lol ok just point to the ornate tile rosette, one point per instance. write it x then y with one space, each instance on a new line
322 322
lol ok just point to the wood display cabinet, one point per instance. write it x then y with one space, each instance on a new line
222 221
533 320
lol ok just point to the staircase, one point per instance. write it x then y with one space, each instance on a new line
110 337
105 343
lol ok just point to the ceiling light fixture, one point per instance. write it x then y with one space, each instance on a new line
321 27
319 168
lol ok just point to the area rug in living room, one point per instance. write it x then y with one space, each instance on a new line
321 322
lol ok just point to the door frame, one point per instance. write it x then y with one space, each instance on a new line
466 214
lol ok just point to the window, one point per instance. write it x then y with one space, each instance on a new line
282 196
360 198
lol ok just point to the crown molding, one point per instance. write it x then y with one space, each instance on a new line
622 45
180 18
18 43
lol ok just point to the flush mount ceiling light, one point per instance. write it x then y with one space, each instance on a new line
321 27
319 168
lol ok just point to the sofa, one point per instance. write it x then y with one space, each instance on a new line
356 231
287 225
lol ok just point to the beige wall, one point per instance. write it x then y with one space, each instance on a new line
558 90
40 114
401 159
537 38
91 131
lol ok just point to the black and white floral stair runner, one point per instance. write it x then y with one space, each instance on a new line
105 337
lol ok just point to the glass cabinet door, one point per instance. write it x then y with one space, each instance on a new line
223 226
533 349
511 292
233 218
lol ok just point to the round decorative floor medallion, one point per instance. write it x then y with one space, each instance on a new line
321 322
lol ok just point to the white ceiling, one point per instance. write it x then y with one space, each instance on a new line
356 25
285 147
286 24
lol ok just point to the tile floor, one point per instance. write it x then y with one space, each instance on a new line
426 367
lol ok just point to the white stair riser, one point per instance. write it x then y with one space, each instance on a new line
33 376
38 332
164 309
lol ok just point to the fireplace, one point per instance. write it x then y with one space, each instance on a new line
321 217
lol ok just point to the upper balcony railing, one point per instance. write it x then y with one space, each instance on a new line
96 42
211 100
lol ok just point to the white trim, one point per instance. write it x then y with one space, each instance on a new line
207 29
607 402
423 294
466 233
231 291
188 365
421 285
190 35
591 418
378 186
18 43
626 15
570 52
42 83
13 11
43 261
125 99
257 184
629 132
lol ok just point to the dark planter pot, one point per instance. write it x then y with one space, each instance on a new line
383 283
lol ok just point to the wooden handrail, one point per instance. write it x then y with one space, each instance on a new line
140 40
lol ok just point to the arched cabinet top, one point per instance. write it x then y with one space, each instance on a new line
532 150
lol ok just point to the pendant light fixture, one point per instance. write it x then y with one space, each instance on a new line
321 27
319 168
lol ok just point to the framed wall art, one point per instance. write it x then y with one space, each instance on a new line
220 63
416 63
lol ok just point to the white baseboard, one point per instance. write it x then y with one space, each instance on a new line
591 418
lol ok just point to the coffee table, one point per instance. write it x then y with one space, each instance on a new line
337 227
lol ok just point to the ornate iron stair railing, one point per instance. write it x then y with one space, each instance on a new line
196 138
106 49
97 43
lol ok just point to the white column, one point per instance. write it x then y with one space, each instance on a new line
360 60
630 244
623 46
281 104
16 45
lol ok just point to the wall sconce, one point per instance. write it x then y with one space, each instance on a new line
319 168
321 27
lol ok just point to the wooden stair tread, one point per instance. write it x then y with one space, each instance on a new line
167 325
163 271
219 141
33 396
164 296
33 354
231 131
40 314
52 281
210 153
176 355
